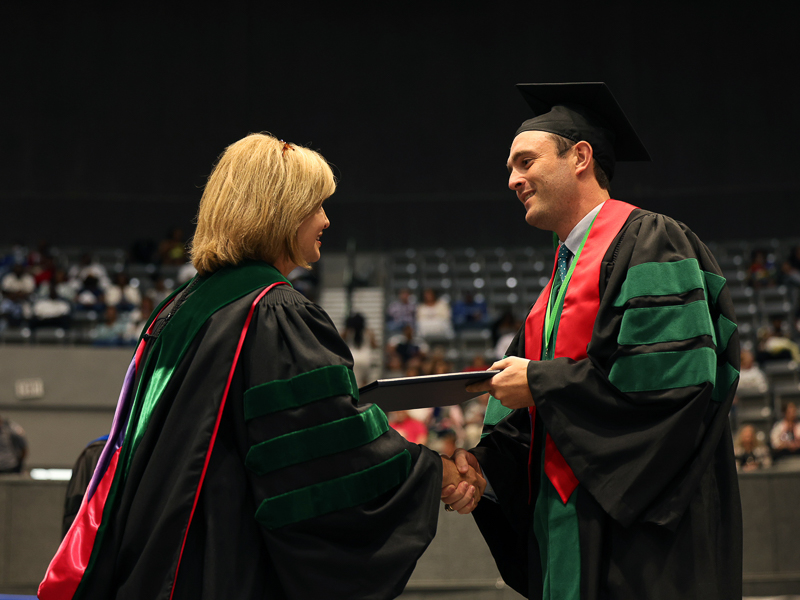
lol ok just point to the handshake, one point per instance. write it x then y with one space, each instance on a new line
462 482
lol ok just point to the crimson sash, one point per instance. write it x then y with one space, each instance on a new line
581 303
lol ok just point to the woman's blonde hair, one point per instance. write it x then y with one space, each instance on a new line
257 196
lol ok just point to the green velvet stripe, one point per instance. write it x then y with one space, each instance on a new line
281 394
210 295
664 370
556 528
726 377
661 279
724 328
335 494
656 324
315 442
495 412
714 285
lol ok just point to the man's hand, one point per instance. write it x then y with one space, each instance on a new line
510 386
461 489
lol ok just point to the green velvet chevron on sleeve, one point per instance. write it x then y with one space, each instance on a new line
334 494
314 442
274 396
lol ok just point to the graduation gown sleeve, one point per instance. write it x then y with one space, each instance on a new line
639 421
345 505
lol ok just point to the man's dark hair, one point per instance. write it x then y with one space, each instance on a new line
562 147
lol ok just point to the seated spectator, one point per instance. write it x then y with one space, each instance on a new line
172 250
775 343
478 364
90 295
401 312
790 269
752 380
17 287
785 435
411 429
434 317
64 288
13 446
469 312
761 273
504 341
138 319
362 344
122 295
305 281
160 290
88 266
53 311
474 412
445 442
394 366
111 332
185 273
44 271
82 473
751 453
407 346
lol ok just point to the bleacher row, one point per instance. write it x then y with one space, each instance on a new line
512 278
83 324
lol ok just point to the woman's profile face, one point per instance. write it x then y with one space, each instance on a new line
309 233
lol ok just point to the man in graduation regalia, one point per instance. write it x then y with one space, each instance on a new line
606 444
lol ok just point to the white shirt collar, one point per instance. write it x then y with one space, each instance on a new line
575 236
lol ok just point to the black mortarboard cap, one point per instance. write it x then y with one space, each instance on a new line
584 112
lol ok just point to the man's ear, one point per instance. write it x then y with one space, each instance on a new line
583 154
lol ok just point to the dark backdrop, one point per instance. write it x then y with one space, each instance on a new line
113 117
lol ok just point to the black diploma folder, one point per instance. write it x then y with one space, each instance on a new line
406 393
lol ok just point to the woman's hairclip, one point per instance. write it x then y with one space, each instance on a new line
286 146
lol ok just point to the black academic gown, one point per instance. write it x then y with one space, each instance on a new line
658 508
365 550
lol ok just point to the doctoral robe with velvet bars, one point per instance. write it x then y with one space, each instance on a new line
247 469
642 425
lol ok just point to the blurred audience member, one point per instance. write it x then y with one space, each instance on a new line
13 446
785 435
362 344
394 366
64 288
138 319
775 343
185 273
82 472
172 250
761 273
434 317
160 290
751 453
90 296
401 312
122 295
44 271
446 442
478 364
53 311
474 412
411 429
790 269
504 341
751 378
111 332
17 287
407 345
86 267
470 312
